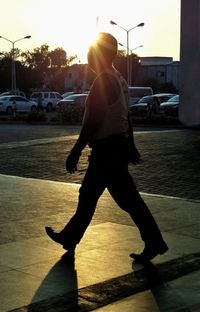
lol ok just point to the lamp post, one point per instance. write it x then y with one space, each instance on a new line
130 63
127 45
13 60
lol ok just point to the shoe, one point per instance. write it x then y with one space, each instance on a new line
149 253
53 235
57 237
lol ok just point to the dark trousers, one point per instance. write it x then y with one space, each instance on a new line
108 168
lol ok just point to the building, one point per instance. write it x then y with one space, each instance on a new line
189 112
163 69
76 78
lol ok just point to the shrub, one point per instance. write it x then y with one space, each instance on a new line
72 114
36 116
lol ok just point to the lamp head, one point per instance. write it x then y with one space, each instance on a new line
112 23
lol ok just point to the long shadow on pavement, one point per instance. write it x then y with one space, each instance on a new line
165 296
60 280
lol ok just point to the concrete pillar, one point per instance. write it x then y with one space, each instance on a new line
189 112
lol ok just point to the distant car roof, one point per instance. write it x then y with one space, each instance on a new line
73 96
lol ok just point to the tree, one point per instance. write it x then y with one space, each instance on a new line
39 58
58 57
121 64
37 69
5 72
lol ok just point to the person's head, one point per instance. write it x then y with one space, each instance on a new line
102 53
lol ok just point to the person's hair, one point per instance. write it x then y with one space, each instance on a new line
106 46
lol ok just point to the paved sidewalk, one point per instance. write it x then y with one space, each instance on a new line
170 158
34 278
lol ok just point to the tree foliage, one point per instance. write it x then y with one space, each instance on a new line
121 64
39 58
58 57
38 69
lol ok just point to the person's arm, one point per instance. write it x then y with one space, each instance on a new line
94 113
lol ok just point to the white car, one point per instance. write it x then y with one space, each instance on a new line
64 95
48 99
77 100
17 92
11 103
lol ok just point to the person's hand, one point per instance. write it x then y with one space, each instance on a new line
72 161
135 157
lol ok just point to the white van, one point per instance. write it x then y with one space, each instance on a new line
137 93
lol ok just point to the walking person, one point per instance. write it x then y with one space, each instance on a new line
39 102
107 129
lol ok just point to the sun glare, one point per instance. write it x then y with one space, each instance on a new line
74 26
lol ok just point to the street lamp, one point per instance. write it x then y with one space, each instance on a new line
127 38
13 60
131 50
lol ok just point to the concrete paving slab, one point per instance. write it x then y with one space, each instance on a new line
19 289
30 266
18 254
188 288
181 295
4 268
40 273
141 302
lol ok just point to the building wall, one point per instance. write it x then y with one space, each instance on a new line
156 60
163 73
189 112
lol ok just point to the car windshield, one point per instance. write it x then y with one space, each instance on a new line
174 99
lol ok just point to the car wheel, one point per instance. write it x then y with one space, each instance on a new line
9 110
33 108
49 107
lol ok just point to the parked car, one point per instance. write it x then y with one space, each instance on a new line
64 95
150 104
136 93
17 92
11 103
170 107
48 99
77 100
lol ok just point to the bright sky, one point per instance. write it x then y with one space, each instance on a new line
73 24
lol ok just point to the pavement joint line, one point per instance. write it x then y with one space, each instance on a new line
98 295
78 184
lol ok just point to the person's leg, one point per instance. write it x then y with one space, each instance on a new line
124 192
91 189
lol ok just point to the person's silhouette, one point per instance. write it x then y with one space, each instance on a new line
108 131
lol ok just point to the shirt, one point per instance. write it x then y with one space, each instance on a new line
107 105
